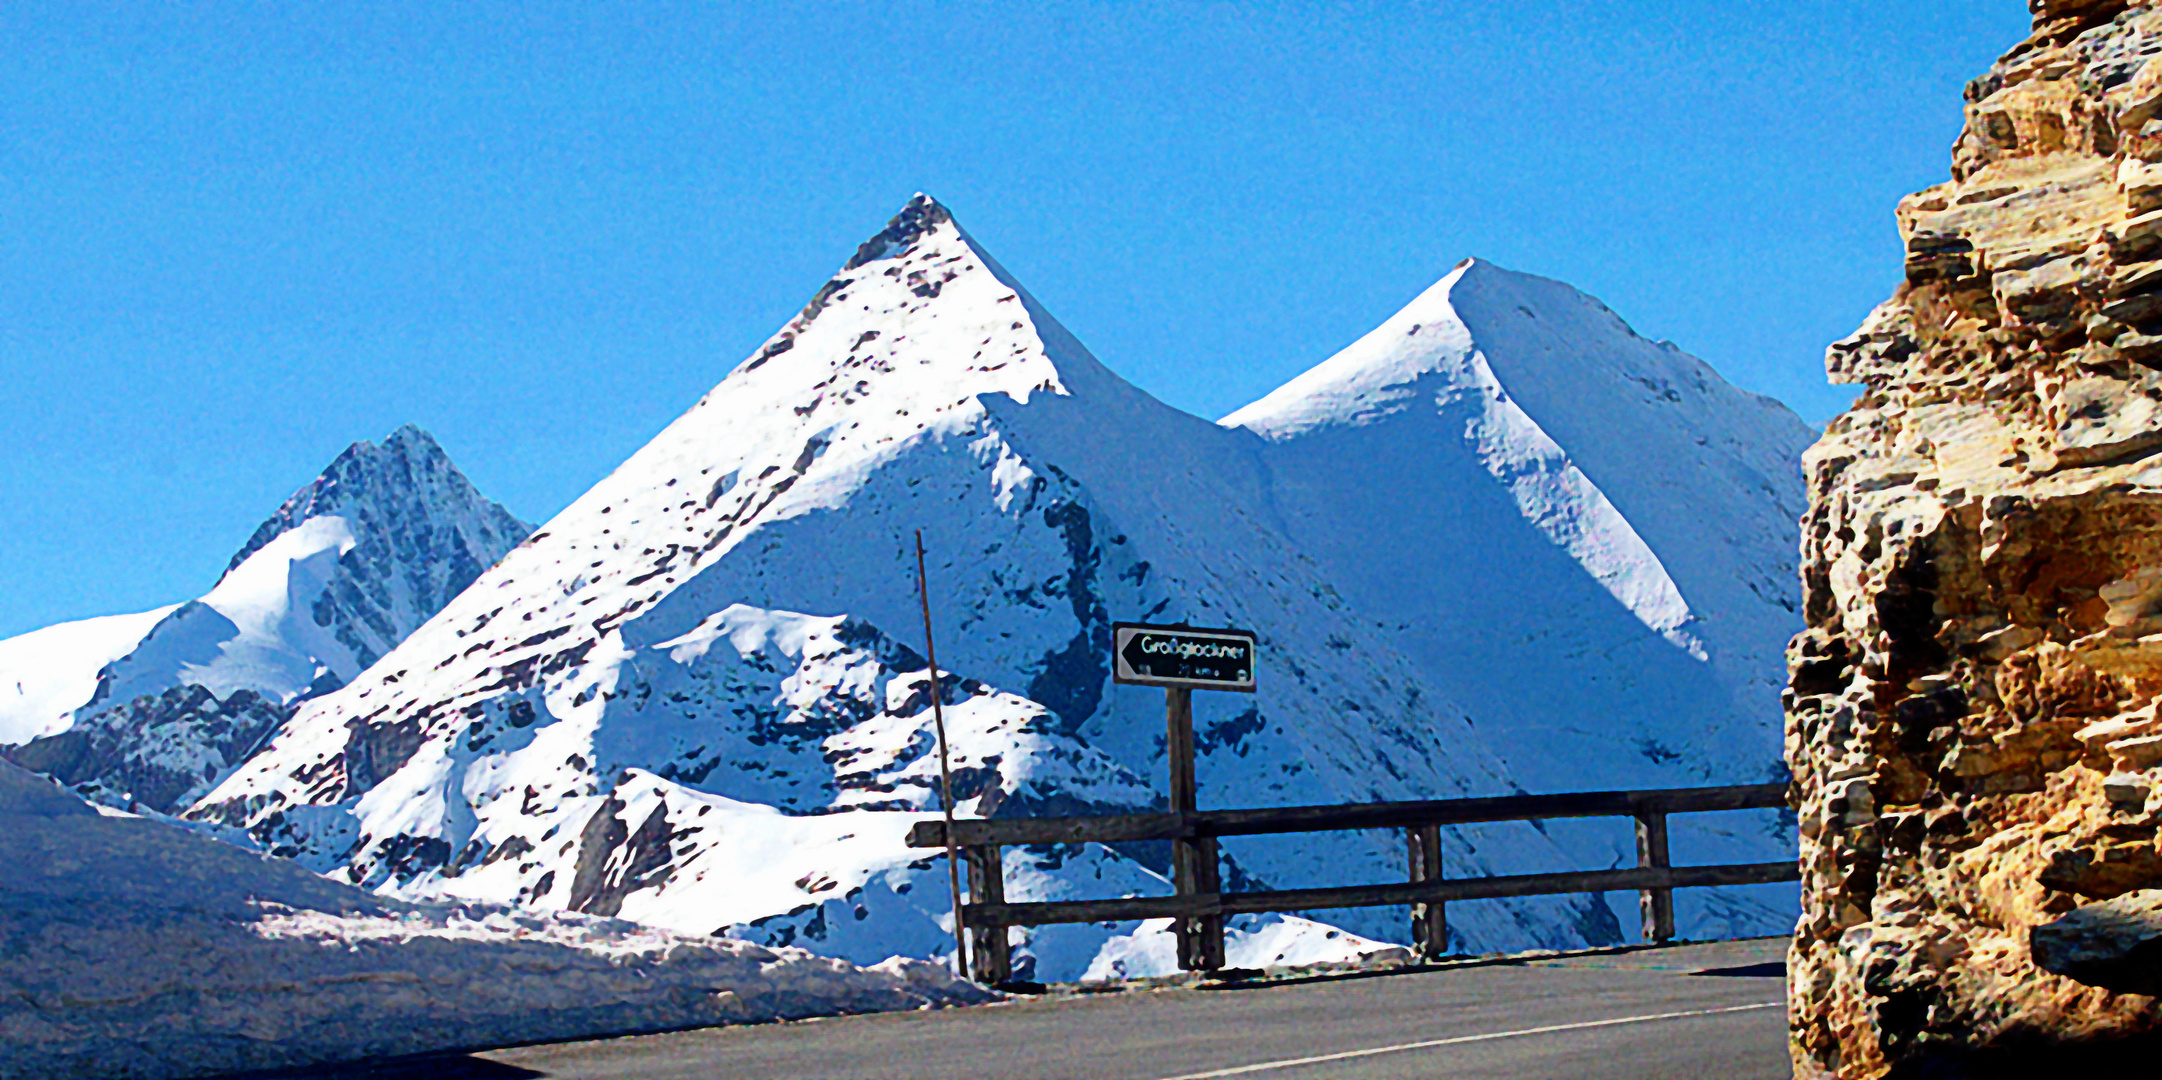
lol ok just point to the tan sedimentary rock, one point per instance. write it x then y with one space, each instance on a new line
1972 716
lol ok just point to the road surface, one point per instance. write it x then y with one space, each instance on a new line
1712 1011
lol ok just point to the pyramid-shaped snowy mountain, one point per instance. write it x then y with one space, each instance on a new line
1643 507
1588 537
695 697
151 710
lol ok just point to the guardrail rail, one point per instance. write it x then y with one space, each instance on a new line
1199 905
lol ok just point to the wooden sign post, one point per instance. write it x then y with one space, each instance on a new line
1182 659
945 774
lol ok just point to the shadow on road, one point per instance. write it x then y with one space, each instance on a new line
440 1067
1776 969
1240 979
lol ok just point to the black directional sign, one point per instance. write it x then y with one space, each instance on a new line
1183 656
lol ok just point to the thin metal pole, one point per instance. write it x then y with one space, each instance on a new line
945 771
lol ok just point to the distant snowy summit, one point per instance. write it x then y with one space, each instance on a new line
695 698
153 709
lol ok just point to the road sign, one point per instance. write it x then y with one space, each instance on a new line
1181 656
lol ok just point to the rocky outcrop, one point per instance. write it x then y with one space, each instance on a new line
159 751
2115 944
1972 712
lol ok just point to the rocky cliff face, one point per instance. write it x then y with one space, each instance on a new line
1972 717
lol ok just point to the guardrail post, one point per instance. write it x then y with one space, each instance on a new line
1193 858
1429 921
990 953
1205 936
1657 904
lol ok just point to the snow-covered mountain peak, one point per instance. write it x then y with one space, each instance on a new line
153 709
1561 356
408 476
921 279
345 568
903 347
1499 404
1445 340
922 214
1467 349
900 349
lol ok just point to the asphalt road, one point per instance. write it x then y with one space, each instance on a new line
1712 1011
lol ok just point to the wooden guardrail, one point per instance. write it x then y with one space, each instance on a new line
1199 905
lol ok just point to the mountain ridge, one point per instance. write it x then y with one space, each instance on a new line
920 387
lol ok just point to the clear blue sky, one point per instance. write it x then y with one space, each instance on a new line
235 237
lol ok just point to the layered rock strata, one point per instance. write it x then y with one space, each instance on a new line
1972 714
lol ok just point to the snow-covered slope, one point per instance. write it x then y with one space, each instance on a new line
47 674
131 949
152 709
1586 536
687 699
